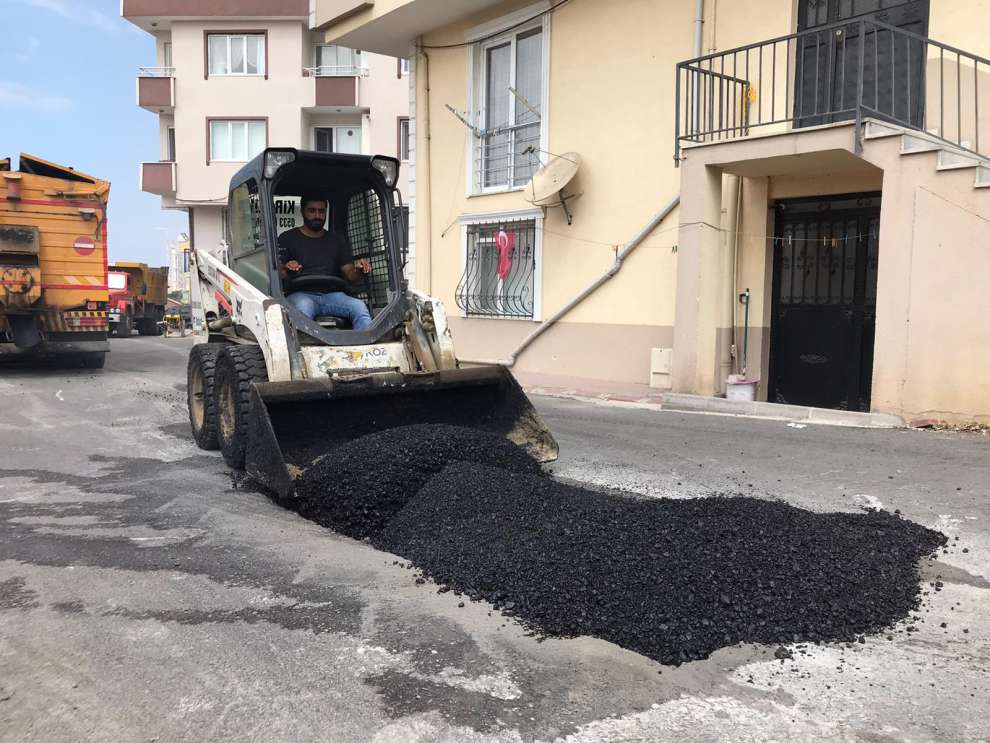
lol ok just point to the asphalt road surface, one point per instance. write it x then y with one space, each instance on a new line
143 597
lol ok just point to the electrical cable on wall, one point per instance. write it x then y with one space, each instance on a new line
462 44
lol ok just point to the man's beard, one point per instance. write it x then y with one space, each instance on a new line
314 224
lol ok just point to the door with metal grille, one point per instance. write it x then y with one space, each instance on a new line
828 60
825 260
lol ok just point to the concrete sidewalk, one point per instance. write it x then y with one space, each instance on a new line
580 388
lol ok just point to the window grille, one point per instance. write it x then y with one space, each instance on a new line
366 232
500 269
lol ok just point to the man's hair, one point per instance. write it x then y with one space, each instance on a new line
310 197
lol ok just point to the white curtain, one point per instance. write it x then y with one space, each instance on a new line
220 140
256 138
255 55
238 140
218 55
498 108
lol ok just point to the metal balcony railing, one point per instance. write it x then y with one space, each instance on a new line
845 71
337 71
156 72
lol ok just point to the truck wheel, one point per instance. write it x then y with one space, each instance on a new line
124 326
238 367
200 375
149 327
91 360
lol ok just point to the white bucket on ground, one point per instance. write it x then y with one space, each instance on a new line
738 387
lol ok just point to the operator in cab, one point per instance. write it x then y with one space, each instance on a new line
311 249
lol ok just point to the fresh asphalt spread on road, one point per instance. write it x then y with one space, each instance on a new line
143 596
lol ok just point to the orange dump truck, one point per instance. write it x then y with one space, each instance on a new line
53 262
138 294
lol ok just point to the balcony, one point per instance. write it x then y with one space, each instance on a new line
850 72
335 88
156 89
158 178
389 26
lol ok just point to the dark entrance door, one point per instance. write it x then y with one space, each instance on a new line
824 301
827 75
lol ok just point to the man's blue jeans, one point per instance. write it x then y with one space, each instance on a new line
337 304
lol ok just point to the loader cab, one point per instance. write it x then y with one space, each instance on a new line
363 209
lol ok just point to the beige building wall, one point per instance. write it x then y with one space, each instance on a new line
278 100
611 99
932 340
285 98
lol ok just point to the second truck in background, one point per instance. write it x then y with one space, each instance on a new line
137 298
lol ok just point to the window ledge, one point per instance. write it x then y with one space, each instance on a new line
495 192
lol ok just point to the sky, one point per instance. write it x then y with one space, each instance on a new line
67 94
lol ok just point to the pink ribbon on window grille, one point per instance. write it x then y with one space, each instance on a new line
506 244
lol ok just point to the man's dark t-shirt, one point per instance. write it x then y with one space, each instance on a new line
318 255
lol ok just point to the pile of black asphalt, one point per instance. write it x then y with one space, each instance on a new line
673 579
358 487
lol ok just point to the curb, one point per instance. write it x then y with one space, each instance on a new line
797 413
683 403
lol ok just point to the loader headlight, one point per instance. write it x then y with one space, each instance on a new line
275 159
388 167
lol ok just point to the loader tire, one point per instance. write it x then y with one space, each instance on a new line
200 376
238 367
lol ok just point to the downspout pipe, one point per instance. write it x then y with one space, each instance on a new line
620 257
727 309
699 24
424 174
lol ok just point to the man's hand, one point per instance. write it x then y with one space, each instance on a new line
294 266
364 265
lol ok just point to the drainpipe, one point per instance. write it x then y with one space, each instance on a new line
424 186
621 256
727 308
699 24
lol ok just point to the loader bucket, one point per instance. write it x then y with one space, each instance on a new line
293 424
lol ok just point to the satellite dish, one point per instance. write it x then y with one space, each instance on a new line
546 187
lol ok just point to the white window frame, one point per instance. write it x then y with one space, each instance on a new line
537 216
477 75
227 37
403 66
247 127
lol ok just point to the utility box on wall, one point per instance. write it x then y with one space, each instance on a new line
661 360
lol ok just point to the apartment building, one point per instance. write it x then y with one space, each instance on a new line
791 190
231 77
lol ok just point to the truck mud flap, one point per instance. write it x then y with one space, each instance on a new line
293 424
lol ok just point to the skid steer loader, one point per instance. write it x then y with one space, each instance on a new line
275 390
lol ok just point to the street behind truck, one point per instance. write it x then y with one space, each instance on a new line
53 262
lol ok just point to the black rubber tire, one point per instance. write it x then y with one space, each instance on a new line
124 327
238 367
200 397
149 327
90 360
